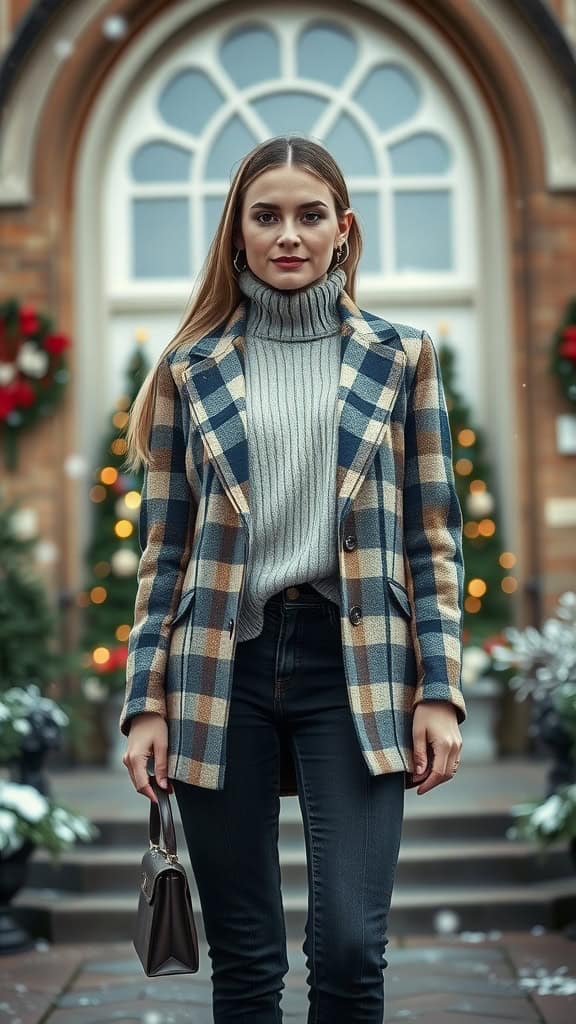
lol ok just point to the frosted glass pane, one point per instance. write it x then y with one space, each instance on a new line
289 111
189 100
326 52
366 206
390 95
423 230
213 206
230 146
424 153
250 55
350 148
161 161
160 238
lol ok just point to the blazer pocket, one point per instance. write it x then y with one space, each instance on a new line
400 595
184 606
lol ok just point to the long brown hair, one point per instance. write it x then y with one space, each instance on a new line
217 293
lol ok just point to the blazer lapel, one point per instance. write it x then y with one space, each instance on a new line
371 371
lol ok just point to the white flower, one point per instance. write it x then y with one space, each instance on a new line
7 373
26 800
94 689
64 832
82 828
4 713
9 838
22 725
550 815
32 360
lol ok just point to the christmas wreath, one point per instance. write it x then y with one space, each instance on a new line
33 371
563 362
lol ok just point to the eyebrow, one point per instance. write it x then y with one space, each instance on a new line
275 206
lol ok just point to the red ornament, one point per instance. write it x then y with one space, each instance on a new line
497 640
569 333
25 396
117 660
29 322
567 347
7 402
56 343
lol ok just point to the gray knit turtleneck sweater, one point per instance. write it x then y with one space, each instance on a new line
292 371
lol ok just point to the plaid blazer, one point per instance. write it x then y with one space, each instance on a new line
399 544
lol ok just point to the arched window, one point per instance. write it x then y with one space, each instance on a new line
386 120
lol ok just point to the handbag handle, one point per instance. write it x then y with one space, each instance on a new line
161 815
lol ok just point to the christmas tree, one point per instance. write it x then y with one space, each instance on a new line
28 624
114 552
488 583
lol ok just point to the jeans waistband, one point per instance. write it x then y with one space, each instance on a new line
302 595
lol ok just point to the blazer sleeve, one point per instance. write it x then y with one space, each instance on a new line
433 537
167 514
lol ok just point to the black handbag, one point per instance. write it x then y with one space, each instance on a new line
165 937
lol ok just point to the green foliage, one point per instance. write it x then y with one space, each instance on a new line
102 619
563 357
481 552
28 624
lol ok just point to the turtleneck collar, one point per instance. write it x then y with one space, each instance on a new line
293 314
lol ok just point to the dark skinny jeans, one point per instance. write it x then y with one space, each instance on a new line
291 677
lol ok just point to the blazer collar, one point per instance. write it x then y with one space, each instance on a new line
372 364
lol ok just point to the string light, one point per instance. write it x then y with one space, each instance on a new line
100 655
509 584
120 419
466 438
477 587
109 475
487 527
98 493
133 499
123 528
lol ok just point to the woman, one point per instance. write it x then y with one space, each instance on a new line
297 625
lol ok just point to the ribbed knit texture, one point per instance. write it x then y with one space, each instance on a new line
292 371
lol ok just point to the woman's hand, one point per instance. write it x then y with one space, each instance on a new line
148 735
435 734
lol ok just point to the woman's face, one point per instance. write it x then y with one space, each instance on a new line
289 212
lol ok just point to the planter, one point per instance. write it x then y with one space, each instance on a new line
13 874
479 731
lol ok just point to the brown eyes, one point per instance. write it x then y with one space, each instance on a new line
311 214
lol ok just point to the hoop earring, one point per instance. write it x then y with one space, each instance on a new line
339 257
239 269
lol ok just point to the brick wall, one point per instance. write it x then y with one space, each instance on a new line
35 264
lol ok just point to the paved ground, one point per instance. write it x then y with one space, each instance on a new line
467 978
463 980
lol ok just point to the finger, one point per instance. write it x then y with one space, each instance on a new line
149 792
161 765
420 752
434 779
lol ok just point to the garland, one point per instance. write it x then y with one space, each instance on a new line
563 360
33 371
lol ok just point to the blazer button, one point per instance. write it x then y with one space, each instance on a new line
350 542
355 614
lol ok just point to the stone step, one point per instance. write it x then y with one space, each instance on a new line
64 917
501 862
461 825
